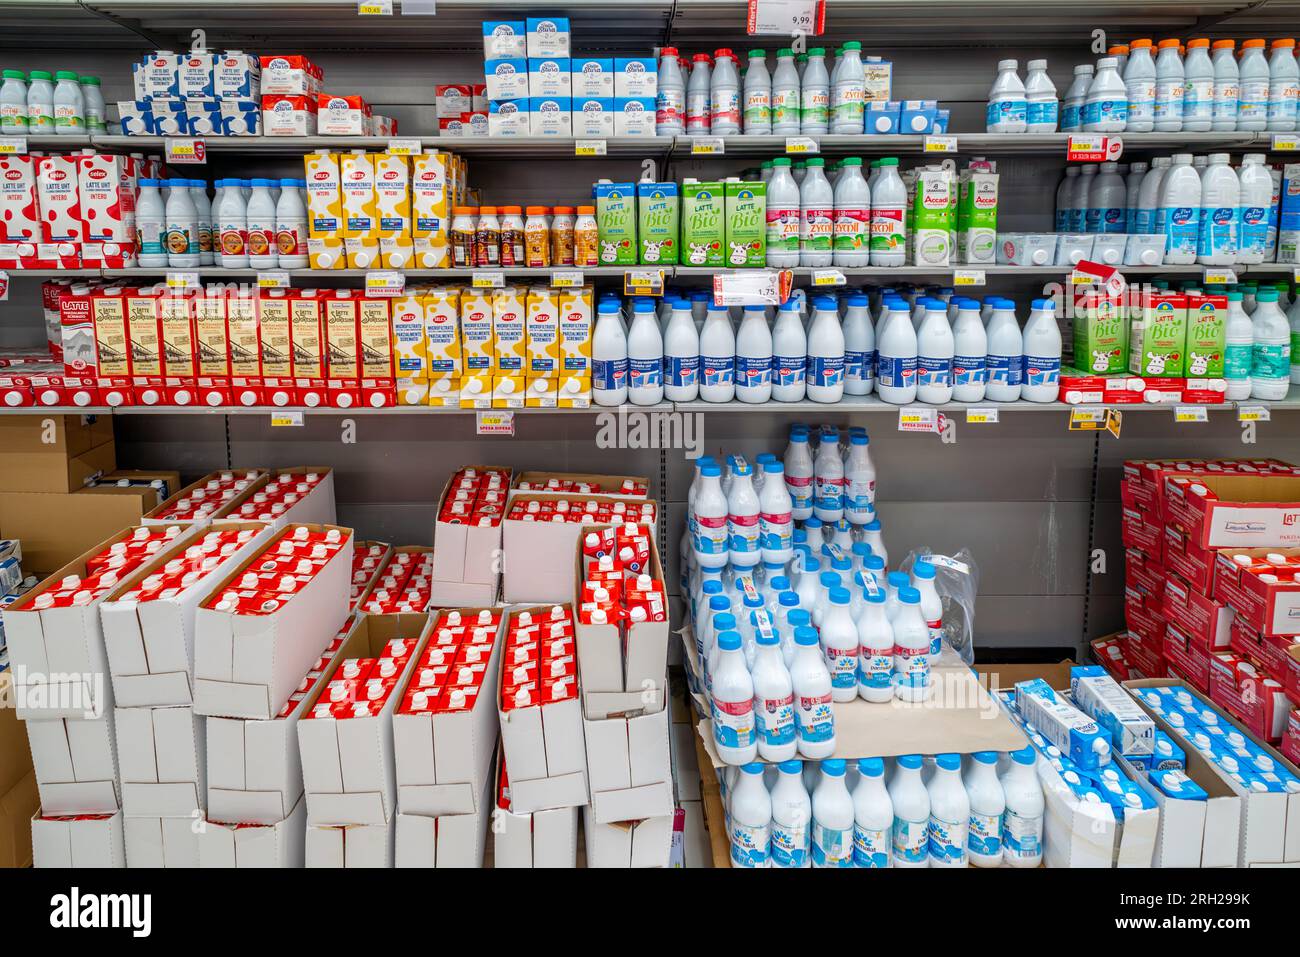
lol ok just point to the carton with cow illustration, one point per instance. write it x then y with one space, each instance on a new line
658 214
1158 336
1207 331
616 223
745 215
704 235
1100 334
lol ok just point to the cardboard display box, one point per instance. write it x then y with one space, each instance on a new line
449 840
629 767
160 841
1235 511
256 479
645 843
19 798
67 434
352 845
465 553
162 761
315 508
1270 608
84 841
49 453
278 844
541 839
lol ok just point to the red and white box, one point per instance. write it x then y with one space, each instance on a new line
302 494
285 115
16 391
1140 529
1145 654
1143 572
274 844
1236 511
107 190
541 839
211 497
1192 563
341 115
1144 479
1187 658
467 537
1201 619
77 840
580 485
59 200
148 620
1291 742
1268 651
1256 700
1109 652
252 649
55 390
20 218
1143 612
1099 389
293 75
345 737
1262 585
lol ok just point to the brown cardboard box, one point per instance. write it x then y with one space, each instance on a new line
57 527
18 797
69 434
48 471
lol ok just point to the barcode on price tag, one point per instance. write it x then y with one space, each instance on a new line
1190 413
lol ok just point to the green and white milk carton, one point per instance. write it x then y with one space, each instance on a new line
1158 340
704 235
658 214
616 220
932 218
977 217
1207 335
745 216
1100 334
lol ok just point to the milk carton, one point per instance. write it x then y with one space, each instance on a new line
636 77
360 209
879 76
176 319
275 336
575 313
616 222
1100 335
195 75
1098 695
548 36
1288 235
506 79
161 75
236 76
658 217
430 209
20 218
592 76
745 219
703 224
393 199
1077 735
288 114
508 118
1207 323
549 76
341 115
107 187
59 199
977 217
325 227
290 75
410 348
112 335
1159 338
931 218
542 332
549 116
241 319
508 391
241 118
452 99
442 332
475 391
476 317
593 116
212 340
634 116
308 345
508 330
504 39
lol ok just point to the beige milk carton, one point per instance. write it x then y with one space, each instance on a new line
431 193
442 331
508 312
476 344
410 347
574 391
543 332
542 393
324 211
444 393
476 390
393 200
412 391
575 330
360 209
508 392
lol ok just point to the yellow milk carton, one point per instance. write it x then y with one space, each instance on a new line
412 392
410 347
542 393
431 202
393 199
442 331
324 211
476 341
543 332
574 391
508 312
476 390
444 393
575 330
508 392
360 209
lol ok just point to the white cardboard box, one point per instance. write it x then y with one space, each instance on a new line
246 666
76 765
347 764
461 594
162 762
59 661
150 646
352 845
269 845
444 760
449 840
466 553
316 507
544 749
256 479
646 843
629 767
254 768
1193 833
541 839
67 842
162 841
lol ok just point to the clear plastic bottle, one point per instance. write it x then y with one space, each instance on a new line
751 818
181 238
1283 85
1179 217
1008 110
815 95
888 216
69 105
13 103
911 802
699 110
151 225
1006 353
873 816
232 226
875 650
783 216
645 356
1170 84
734 735
1239 344
1042 106
1256 78
848 91
724 94
1227 86
799 471
758 95
988 804
1220 204
96 114
814 713
791 817
786 110
816 216
949 814
1064 199
203 211
1140 87
825 352
670 98
1105 108
859 347
40 103
1072 106
291 225
832 809
1041 342
1270 364
609 355
1022 824
717 356
934 355
261 227
1198 92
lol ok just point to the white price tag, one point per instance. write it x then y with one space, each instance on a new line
748 287
183 280
286 417
940 144
919 419
409 147
278 279
13 145
589 148
968 277
1253 413
1219 276
491 279
385 282
981 416
187 150
643 282
1190 413
565 278
785 18
495 422
708 145
801 144
828 277
1285 142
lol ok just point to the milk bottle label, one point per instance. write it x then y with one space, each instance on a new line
753 371
789 845
1042 370
758 108
800 488
876 670
733 724
911 840
782 229
847 103
886 229
814 107
697 109
1169 100
1141 100
1105 111
743 531
1006 370
897 372
182 239
681 370
1271 361
1216 230
775 532
1253 102
946 840
1198 100
668 107
970 370
832 847
726 107
816 718
1071 117
936 635
1282 102
860 366
934 371
645 373
1225 101
608 373
825 370
1236 361
870 846
785 106
859 495
829 492
711 535
749 845
775 719
1007 111
985 834
1022 836
1042 112
789 370
817 230
843 666
1253 223
1182 228
717 370
852 230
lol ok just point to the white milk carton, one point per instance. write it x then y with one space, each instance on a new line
161 78
592 116
195 76
548 36
634 116
549 76
636 76
592 76
236 76
505 39
549 116
506 79
508 118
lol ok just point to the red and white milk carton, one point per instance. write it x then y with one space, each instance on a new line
341 115
284 115
20 220
107 187
290 75
59 199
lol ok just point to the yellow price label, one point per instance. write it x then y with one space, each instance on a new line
828 277
801 144
589 148
981 416
968 277
286 418
708 146
1253 413
13 145
1190 413
941 144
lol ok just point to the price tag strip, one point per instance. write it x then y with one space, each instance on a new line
1285 142
183 280
643 282
495 422
748 287
801 144
385 282
408 147
1253 413
190 150
278 279
589 148
920 419
1190 413
968 277
1219 276
1086 418
828 277
940 144
375 8
286 418
984 415
708 146
566 278
1093 148
13 145
490 279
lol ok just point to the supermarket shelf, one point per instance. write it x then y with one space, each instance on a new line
219 272
531 147
269 410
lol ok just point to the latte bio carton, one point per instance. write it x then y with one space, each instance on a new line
658 218
616 222
1158 335
1100 334
1097 694
745 220
1207 323
703 230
